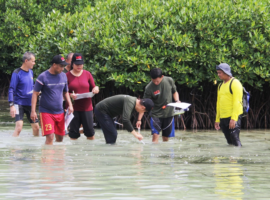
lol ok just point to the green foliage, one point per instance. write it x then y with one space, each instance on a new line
19 22
123 39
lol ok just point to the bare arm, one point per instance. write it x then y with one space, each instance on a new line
176 97
139 121
33 105
70 106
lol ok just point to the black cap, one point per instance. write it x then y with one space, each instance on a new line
148 104
77 59
58 59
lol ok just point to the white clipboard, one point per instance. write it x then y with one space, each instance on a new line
68 118
180 105
84 95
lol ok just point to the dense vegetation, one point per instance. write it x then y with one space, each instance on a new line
19 23
123 39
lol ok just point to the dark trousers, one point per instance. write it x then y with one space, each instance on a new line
107 125
232 135
86 119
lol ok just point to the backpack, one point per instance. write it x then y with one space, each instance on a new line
245 100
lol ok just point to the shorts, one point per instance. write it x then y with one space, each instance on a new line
166 125
86 119
52 123
107 125
21 110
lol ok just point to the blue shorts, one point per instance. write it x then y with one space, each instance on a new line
166 125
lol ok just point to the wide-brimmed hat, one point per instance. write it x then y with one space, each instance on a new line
225 68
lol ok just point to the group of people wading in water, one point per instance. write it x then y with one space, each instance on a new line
67 78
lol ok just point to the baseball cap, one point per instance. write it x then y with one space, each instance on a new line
148 104
225 68
58 59
77 59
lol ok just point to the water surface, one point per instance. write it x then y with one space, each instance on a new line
193 165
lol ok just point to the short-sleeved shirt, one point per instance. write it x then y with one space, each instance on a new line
21 87
52 87
119 105
81 84
161 95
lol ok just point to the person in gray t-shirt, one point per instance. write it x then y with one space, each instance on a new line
161 90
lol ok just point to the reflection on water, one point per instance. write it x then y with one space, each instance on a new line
194 165
229 182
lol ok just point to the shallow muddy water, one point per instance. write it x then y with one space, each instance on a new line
193 165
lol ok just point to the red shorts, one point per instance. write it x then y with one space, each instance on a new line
52 123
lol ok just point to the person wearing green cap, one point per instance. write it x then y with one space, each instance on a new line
229 107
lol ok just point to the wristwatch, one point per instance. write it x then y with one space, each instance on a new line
11 104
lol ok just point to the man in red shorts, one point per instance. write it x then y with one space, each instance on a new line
53 85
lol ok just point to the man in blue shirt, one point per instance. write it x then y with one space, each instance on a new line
53 85
20 94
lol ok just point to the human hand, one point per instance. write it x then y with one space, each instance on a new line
232 124
73 96
137 135
70 109
217 127
12 111
138 124
33 116
95 90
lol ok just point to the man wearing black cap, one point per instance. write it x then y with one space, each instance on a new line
123 105
162 91
229 105
53 85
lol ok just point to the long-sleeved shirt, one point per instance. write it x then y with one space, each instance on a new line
21 87
229 105
119 105
81 84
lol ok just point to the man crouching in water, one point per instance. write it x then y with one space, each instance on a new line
123 105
